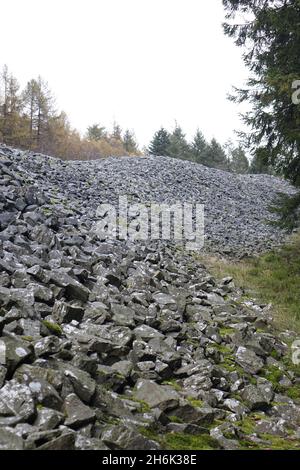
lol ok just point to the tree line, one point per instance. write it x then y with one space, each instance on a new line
212 154
29 120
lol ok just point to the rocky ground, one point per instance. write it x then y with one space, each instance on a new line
121 345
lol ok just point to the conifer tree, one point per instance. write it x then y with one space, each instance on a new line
130 143
96 132
260 163
270 36
199 148
216 156
178 147
38 103
12 128
117 131
239 163
159 145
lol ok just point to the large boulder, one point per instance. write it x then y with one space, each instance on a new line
257 398
77 413
83 384
248 360
125 438
156 396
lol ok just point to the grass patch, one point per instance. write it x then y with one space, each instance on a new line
273 374
247 426
229 364
226 331
112 421
273 277
47 212
195 403
181 441
225 350
275 354
144 407
271 443
294 393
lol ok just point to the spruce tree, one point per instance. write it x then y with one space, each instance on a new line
159 145
117 131
199 148
178 147
270 35
216 156
96 132
260 163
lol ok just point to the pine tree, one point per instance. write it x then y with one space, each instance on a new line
159 145
199 148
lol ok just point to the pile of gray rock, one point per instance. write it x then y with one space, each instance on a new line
121 345
236 206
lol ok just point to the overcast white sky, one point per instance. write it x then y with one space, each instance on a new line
145 63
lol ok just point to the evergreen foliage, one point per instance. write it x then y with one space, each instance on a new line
159 145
